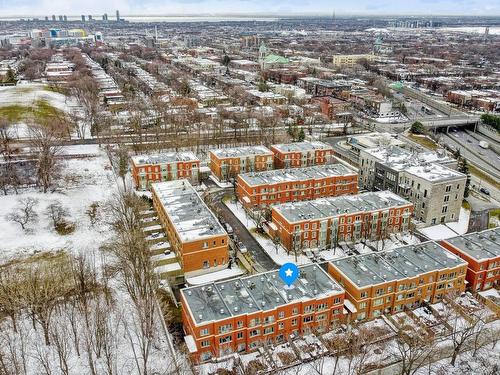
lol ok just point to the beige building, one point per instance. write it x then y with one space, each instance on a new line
435 190
350 60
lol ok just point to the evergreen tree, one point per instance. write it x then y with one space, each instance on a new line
462 167
10 77
302 135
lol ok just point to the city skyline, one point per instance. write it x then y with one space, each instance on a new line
252 7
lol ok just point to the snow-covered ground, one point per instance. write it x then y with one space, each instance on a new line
448 230
84 181
28 94
215 276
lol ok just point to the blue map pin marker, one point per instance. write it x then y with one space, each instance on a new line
289 272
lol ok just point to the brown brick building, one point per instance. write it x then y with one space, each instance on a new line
405 277
168 166
193 231
302 154
295 184
245 313
325 223
227 163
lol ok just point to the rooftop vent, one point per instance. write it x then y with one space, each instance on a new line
200 316
222 311
289 297
222 287
263 303
236 309
277 299
189 293
315 291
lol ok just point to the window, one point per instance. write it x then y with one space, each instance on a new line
239 324
309 309
308 319
268 330
206 264
281 314
239 335
254 332
364 294
295 311
225 340
205 343
448 188
294 322
281 325
225 328
204 332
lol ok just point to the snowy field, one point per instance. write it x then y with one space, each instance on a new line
28 93
84 181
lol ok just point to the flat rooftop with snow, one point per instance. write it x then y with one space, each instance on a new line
239 152
334 206
480 245
260 292
295 174
191 217
395 264
302 146
164 158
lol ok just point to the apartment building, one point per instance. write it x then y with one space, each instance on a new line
436 190
350 60
325 223
389 281
481 250
244 313
227 163
255 190
168 166
302 154
193 231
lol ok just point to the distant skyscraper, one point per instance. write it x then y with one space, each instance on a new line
46 18
117 15
83 18
61 18
90 17
53 17
105 17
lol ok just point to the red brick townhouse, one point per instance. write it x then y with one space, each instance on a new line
302 154
244 313
167 166
295 184
325 223
193 231
481 251
389 281
227 163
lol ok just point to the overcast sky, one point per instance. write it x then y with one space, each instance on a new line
271 7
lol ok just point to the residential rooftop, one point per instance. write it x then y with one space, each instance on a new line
334 206
164 158
296 174
261 292
427 165
396 264
191 217
480 245
302 146
241 152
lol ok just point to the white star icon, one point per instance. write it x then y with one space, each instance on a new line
288 273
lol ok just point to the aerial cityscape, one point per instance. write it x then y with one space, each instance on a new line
245 188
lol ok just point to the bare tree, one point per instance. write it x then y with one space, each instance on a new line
60 339
412 350
46 142
24 213
56 213
8 173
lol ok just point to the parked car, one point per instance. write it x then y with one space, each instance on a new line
229 229
242 247
484 191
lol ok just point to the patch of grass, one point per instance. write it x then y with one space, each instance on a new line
55 257
424 141
14 113
480 174
466 205
58 89
41 109
64 228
